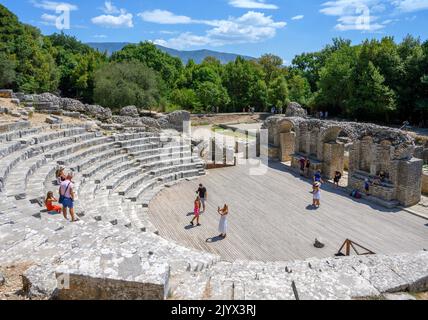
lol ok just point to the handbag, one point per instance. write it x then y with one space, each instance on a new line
62 197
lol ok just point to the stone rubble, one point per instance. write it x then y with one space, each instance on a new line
295 110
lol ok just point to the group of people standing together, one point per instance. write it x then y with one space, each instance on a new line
200 208
66 195
305 166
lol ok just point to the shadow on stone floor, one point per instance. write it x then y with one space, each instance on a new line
214 239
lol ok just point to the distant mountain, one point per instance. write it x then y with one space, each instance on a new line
197 55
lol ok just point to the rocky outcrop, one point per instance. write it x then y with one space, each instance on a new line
130 116
72 105
98 112
175 120
129 111
295 110
136 122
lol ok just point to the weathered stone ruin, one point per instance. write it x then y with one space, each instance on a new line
115 252
129 116
295 110
372 150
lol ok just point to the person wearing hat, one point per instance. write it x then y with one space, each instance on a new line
67 196
317 194
60 175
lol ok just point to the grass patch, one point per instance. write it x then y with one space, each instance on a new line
235 134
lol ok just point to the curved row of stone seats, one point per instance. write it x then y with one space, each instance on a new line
134 182
35 145
17 175
20 134
7 127
344 278
119 179
87 158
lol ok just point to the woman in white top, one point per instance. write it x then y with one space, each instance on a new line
223 220
317 194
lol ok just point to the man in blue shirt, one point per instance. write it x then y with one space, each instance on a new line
317 177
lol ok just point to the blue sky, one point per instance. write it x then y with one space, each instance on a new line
250 27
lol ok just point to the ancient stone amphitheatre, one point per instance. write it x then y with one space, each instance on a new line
136 179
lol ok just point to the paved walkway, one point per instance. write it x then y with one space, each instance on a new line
271 218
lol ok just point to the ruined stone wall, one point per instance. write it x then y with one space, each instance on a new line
374 149
425 182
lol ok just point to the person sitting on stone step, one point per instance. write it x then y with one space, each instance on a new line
50 199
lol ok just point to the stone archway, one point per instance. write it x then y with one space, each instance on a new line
332 150
287 140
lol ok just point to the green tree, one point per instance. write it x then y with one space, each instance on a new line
335 76
370 98
278 92
120 84
271 65
35 67
212 95
185 99
169 68
241 80
7 70
299 90
77 64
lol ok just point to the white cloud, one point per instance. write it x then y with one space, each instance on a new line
54 6
363 14
114 17
411 5
168 32
110 8
100 36
124 20
299 17
164 17
252 4
252 27
48 19
355 14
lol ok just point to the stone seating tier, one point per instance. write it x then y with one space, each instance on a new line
113 252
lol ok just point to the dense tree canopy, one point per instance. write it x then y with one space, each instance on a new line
121 84
377 80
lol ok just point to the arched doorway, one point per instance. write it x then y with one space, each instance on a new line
336 144
287 140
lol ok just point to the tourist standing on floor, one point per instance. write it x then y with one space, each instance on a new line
302 162
222 228
196 212
203 196
307 166
318 177
317 194
66 191
337 178
367 186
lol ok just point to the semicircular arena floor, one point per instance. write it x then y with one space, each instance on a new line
271 218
